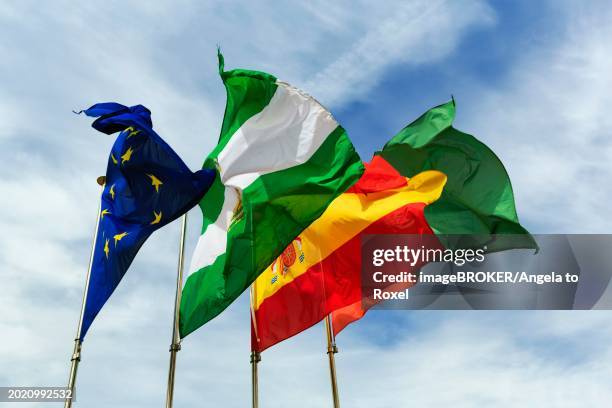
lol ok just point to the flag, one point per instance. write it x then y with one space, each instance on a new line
477 201
147 186
281 159
320 271
470 179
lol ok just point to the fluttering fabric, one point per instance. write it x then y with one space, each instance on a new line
147 186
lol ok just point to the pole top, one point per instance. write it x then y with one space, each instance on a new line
255 357
101 180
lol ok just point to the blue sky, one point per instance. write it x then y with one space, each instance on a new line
531 79
480 59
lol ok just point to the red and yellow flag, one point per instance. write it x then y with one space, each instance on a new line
320 271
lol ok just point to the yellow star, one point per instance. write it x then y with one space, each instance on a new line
113 159
133 132
106 249
104 212
127 155
119 237
111 191
155 182
158 217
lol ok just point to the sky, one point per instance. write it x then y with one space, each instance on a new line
531 80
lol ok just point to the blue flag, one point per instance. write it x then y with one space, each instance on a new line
147 186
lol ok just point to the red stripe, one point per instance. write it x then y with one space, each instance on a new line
379 175
331 284
344 316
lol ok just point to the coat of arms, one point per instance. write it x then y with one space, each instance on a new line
287 259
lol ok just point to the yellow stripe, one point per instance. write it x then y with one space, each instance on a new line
346 216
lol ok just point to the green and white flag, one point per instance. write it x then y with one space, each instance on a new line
281 159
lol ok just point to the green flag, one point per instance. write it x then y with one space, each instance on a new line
478 198
281 159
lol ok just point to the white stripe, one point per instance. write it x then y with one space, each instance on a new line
284 134
214 240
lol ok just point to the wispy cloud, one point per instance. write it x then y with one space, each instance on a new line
410 33
549 121
57 58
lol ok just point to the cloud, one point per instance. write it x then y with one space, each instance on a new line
549 122
411 33
162 55
491 361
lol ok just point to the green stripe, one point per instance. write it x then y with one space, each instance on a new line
277 207
478 197
212 203
421 132
248 93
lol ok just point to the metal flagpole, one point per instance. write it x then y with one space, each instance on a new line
255 358
255 355
331 350
76 353
176 338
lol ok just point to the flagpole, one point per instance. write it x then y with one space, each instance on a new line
255 355
255 358
76 353
331 350
176 338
